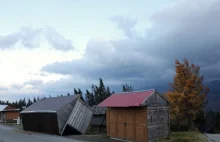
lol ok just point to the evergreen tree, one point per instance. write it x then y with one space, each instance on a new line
90 98
7 103
29 102
20 102
34 100
108 93
16 104
38 98
68 94
75 91
100 92
24 102
126 88
79 91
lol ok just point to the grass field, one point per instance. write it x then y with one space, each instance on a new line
186 137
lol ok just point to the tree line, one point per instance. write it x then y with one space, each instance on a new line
93 96
187 95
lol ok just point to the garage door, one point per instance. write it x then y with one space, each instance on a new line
127 123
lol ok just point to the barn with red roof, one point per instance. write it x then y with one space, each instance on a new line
139 116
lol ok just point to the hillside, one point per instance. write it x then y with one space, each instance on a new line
214 95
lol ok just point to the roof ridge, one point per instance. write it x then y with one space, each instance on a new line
134 91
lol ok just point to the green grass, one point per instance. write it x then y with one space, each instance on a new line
186 137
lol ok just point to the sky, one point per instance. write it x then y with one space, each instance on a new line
50 47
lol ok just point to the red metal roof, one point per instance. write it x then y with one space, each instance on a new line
127 99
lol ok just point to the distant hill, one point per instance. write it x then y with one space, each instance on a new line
214 95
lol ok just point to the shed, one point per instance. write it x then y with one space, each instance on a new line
8 113
139 116
57 115
98 118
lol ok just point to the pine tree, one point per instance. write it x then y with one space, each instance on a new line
24 102
34 100
75 91
108 92
100 92
16 104
90 98
188 95
126 88
29 102
79 91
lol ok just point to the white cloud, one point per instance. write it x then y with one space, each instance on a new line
31 38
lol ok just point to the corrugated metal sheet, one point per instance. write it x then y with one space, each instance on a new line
2 107
80 117
127 99
63 115
50 104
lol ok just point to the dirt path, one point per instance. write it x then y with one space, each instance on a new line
12 134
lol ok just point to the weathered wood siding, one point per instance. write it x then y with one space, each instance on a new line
158 116
158 122
63 115
156 100
80 117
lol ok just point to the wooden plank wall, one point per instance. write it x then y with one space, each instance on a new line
158 117
40 122
127 123
156 100
158 122
80 117
63 115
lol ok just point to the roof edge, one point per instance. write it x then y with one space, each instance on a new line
39 111
162 96
134 91
17 109
154 90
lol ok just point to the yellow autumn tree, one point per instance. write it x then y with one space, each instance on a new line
187 95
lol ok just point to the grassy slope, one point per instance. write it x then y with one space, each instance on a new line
186 137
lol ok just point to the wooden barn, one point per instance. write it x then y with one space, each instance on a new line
9 113
57 115
139 116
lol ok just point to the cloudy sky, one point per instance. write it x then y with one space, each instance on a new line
50 47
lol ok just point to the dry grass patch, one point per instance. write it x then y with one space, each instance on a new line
186 137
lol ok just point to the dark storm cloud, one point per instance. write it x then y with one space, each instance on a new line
31 38
186 29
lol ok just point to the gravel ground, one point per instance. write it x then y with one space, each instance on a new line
92 138
13 134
